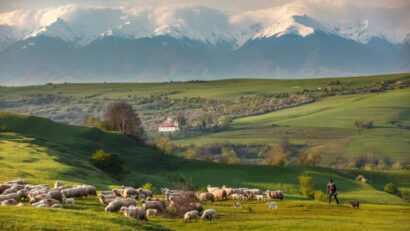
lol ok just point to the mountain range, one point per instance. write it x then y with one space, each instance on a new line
77 44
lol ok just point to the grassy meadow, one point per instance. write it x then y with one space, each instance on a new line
329 124
88 214
43 151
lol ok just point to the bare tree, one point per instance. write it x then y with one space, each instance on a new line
123 118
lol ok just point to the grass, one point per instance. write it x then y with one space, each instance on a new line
329 124
43 151
88 214
219 89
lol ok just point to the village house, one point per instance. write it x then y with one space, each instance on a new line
169 126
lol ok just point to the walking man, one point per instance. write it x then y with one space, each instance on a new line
332 191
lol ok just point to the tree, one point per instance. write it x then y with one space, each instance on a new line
309 157
306 186
164 145
182 121
107 162
277 156
191 153
122 117
230 156
390 188
91 120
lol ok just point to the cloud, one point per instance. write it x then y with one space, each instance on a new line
217 19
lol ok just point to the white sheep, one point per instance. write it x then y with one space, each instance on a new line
272 205
260 197
151 212
134 212
209 214
69 201
188 216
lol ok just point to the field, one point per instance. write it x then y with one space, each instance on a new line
42 153
326 124
329 123
219 89
88 214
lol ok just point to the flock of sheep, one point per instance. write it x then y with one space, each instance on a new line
186 204
41 196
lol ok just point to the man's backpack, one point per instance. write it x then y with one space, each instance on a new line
332 187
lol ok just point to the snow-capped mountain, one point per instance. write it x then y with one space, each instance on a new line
75 43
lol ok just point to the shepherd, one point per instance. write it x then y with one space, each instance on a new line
332 191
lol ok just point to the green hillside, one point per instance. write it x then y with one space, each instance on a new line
218 89
329 123
42 151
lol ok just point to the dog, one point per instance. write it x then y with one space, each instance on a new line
272 205
355 204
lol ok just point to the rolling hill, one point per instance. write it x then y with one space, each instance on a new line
43 151
329 125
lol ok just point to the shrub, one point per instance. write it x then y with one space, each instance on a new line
404 194
363 124
397 166
3 128
320 196
306 186
191 153
148 186
390 188
107 162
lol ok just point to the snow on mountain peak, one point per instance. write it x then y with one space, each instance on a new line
83 25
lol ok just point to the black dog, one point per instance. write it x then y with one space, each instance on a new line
354 204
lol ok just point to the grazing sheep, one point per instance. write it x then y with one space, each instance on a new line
220 194
151 212
129 192
64 187
116 205
106 193
274 194
9 196
153 205
250 194
260 197
106 199
191 215
48 201
198 207
42 206
234 196
209 214
117 191
4 187
272 204
8 202
9 190
56 206
211 189
256 191
22 193
206 196
146 192
134 212
361 179
18 181
55 194
69 201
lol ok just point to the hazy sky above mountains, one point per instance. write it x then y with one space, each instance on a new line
388 17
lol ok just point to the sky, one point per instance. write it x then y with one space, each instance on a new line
384 16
